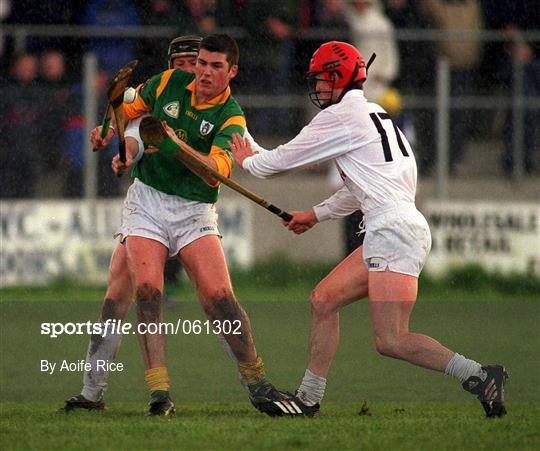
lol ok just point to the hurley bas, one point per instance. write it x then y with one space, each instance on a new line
79 366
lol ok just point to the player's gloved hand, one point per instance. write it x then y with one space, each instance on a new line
99 143
301 221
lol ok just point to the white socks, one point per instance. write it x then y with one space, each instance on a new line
102 349
463 368
311 390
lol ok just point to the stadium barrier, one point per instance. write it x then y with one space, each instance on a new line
43 241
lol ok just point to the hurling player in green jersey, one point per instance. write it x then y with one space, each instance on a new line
169 211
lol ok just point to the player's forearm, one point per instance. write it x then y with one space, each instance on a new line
323 139
260 169
134 151
342 203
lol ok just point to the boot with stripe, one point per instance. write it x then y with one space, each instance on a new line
490 391
267 399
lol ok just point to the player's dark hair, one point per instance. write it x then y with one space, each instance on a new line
222 43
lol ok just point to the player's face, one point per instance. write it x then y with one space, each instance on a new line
213 74
326 93
186 63
324 90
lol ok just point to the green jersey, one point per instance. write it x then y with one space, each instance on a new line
207 127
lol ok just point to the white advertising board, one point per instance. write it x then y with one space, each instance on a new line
42 240
498 236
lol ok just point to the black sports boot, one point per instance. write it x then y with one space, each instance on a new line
490 392
160 404
80 402
308 411
267 399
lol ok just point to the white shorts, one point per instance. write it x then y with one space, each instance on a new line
172 220
398 239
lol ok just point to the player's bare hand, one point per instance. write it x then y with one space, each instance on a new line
150 150
301 221
172 134
118 167
241 148
99 143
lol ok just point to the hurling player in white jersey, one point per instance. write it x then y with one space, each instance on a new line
378 169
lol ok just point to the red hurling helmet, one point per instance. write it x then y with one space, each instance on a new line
337 63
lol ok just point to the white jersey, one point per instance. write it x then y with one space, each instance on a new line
373 157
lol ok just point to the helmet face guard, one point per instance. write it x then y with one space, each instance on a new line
321 99
183 46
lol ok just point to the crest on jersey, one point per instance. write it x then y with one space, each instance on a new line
172 109
181 134
206 127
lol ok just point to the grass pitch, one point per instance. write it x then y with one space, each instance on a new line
409 408
415 426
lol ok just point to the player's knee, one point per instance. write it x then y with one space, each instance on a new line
322 303
387 345
113 309
218 301
148 302
120 290
218 295
147 291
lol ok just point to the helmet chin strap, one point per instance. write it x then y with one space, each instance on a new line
371 59
349 85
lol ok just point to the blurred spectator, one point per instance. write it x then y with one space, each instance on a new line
328 19
416 56
54 98
512 16
53 67
464 57
417 76
372 32
73 150
47 12
153 52
112 53
21 117
267 56
198 17
523 54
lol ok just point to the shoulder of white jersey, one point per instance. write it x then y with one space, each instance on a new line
375 108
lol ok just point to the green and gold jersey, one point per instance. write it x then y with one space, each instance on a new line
206 127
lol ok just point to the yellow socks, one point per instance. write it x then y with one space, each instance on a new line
252 372
157 379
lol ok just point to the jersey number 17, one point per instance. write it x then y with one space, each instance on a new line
378 119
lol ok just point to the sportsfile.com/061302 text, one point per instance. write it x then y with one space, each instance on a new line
181 326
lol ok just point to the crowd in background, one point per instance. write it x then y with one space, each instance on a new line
41 120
